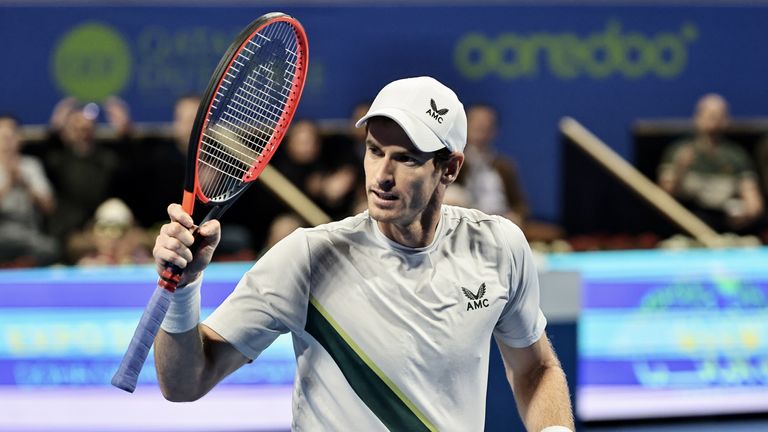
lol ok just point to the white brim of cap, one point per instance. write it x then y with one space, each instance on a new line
420 134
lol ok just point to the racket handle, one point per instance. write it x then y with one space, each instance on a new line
170 277
127 374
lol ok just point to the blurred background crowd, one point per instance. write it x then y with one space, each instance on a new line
92 157
93 187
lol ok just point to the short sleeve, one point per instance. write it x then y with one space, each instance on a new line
521 322
270 299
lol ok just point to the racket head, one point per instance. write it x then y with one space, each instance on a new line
246 109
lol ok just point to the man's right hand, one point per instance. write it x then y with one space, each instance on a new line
175 240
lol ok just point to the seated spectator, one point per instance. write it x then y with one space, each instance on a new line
491 180
280 227
761 157
457 195
713 177
327 182
299 157
157 165
26 198
762 164
80 169
349 143
110 238
345 151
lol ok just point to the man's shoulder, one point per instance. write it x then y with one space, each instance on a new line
733 149
470 215
348 225
497 234
482 223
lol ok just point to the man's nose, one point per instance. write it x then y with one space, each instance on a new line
385 175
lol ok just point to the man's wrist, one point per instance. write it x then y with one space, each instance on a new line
189 279
184 311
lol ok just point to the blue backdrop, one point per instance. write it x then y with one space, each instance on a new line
603 65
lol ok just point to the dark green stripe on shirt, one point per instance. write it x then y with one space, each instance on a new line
378 392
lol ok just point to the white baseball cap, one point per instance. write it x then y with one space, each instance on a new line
429 112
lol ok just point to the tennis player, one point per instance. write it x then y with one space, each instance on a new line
392 310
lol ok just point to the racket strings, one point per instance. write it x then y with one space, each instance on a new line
247 109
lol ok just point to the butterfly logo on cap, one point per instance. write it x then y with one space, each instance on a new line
435 113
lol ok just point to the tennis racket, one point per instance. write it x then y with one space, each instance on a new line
242 118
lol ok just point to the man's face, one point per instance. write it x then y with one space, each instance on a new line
78 129
711 114
400 179
481 127
303 143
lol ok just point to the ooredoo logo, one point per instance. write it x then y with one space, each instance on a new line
610 52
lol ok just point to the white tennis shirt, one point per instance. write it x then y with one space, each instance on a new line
386 336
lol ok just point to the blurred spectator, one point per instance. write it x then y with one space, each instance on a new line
713 177
111 238
346 151
299 158
350 140
26 198
338 190
280 227
330 182
456 195
80 169
762 164
491 180
236 243
152 175
118 116
357 135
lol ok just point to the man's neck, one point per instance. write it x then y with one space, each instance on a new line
707 142
419 233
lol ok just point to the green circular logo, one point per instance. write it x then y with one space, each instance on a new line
91 62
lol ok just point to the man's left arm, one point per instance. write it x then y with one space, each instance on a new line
539 385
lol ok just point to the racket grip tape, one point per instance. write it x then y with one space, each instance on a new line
127 374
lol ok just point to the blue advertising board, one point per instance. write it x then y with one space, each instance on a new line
659 334
70 327
63 332
671 334
604 65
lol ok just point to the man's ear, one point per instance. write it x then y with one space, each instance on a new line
452 168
